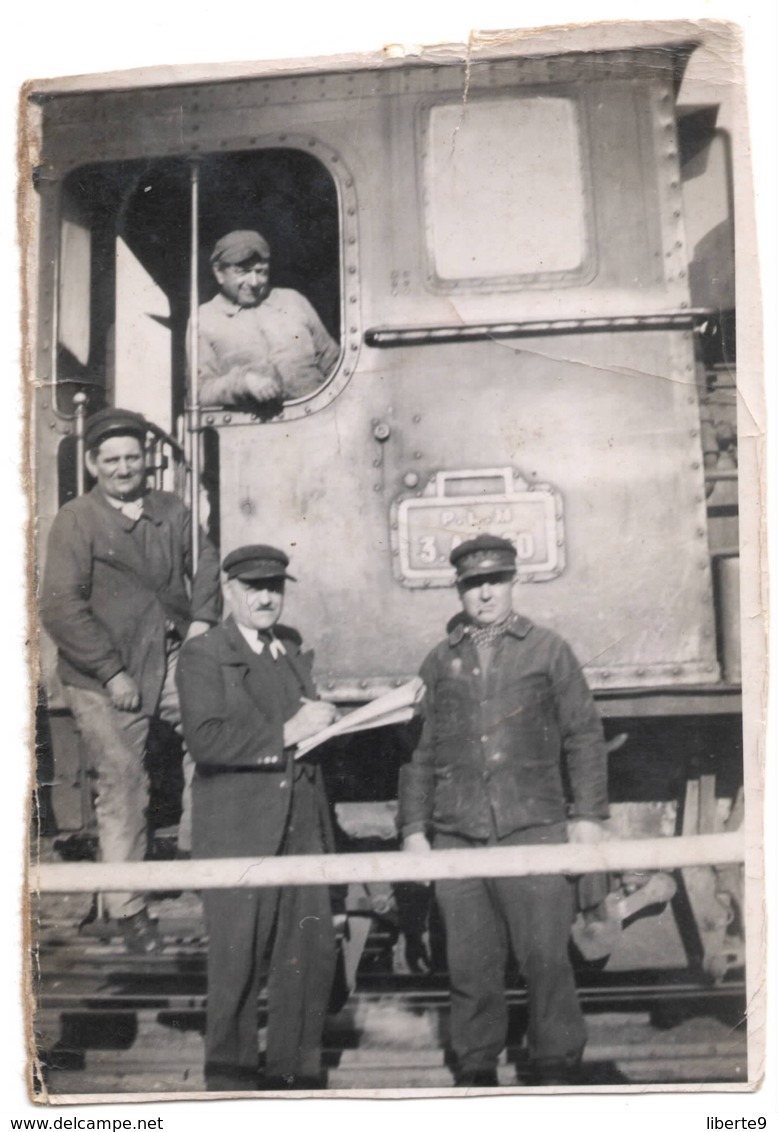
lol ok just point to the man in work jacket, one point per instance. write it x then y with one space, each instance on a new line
247 698
258 343
507 711
116 602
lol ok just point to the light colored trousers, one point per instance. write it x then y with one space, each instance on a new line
115 745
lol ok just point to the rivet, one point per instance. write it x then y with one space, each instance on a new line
695 465
352 330
347 372
227 418
52 424
416 418
702 566
693 432
363 683
352 239
351 211
353 299
353 346
307 409
417 455
677 671
210 419
352 270
376 487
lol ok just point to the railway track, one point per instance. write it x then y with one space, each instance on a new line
109 1023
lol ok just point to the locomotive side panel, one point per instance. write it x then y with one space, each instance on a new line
634 596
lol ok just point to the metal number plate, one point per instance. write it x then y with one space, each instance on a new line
426 528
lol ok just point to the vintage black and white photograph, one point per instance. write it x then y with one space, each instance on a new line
387 449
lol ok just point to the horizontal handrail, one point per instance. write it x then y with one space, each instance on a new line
347 868
385 337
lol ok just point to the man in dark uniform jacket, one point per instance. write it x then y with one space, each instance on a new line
507 711
247 698
115 599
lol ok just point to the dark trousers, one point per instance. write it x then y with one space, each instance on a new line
296 924
532 916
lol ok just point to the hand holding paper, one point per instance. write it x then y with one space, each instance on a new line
397 706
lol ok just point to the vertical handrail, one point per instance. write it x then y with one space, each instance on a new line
79 403
193 397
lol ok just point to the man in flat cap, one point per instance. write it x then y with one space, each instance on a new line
508 717
118 599
258 343
247 699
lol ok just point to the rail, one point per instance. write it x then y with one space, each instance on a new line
386 337
347 868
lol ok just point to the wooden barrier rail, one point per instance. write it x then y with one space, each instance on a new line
345 868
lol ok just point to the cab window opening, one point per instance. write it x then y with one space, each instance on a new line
124 294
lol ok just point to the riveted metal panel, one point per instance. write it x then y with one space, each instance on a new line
635 596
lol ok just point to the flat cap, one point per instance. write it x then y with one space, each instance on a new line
236 247
486 554
113 422
258 561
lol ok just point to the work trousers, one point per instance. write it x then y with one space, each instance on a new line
115 745
532 916
295 925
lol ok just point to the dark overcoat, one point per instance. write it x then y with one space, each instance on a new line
234 705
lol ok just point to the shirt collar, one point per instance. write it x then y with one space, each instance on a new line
257 645
151 508
517 626
132 508
229 309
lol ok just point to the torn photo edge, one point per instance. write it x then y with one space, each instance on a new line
750 392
